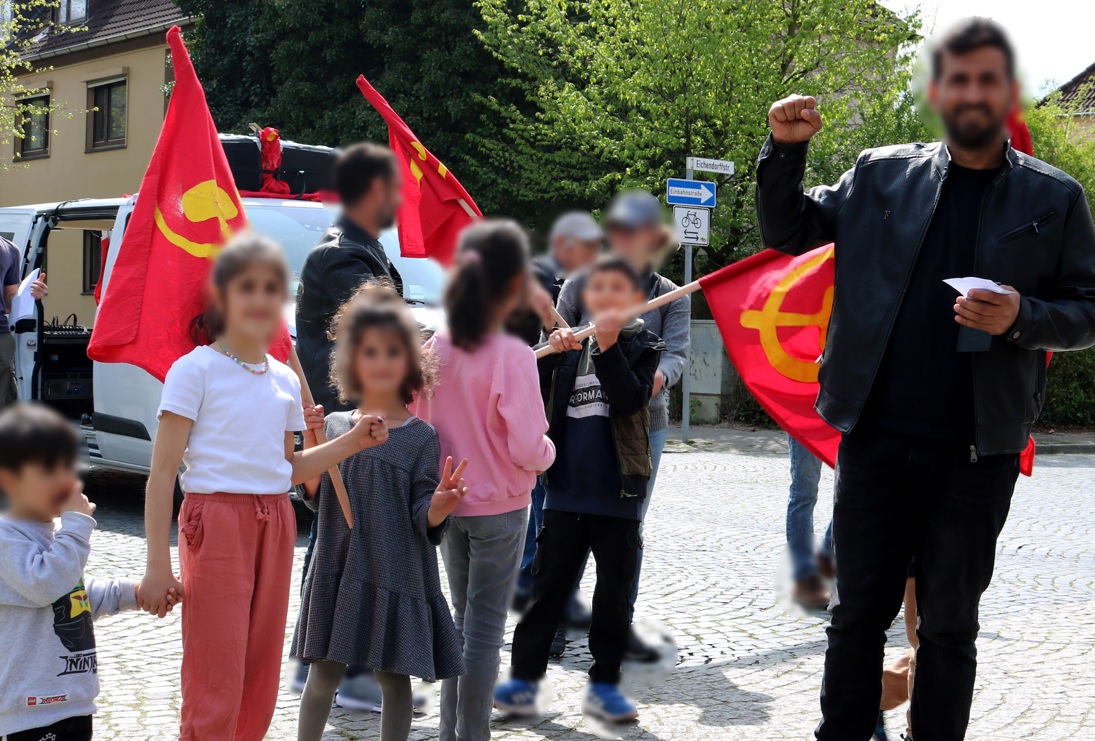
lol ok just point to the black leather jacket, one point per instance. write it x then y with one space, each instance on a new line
1035 233
344 258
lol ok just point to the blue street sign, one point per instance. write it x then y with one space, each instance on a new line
680 192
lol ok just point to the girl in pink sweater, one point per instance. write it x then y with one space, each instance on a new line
486 407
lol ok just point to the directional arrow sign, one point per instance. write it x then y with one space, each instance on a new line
693 225
680 192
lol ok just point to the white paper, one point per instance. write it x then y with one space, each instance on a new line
22 306
965 285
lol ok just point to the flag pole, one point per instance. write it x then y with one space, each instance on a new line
542 351
321 437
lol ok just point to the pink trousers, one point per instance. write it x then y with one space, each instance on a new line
236 553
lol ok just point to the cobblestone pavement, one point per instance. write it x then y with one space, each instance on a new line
750 665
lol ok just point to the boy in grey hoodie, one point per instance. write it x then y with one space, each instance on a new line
49 676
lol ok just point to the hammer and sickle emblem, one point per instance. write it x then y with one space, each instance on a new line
770 317
424 156
204 201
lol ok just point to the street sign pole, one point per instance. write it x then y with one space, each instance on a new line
686 381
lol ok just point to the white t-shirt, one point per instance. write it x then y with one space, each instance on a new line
237 443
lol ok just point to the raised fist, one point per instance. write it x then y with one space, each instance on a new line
794 119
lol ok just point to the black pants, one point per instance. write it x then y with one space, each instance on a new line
899 497
69 729
561 548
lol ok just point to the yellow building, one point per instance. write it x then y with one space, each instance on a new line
107 84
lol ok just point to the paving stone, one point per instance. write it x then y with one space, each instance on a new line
749 662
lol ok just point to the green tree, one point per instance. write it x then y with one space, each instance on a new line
20 22
626 89
292 64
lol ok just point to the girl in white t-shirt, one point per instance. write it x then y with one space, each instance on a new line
229 412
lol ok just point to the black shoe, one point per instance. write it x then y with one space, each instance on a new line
558 643
638 651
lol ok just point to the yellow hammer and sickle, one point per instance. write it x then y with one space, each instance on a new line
204 201
770 318
422 155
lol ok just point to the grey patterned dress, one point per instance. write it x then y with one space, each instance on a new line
373 596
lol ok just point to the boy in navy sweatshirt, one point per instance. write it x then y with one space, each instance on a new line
596 393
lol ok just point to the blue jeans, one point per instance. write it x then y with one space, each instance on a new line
481 556
805 476
535 522
657 445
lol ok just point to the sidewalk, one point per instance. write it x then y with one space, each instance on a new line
741 439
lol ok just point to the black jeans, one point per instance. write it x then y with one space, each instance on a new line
899 497
69 729
561 548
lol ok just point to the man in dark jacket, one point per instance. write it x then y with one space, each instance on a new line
935 393
348 254
597 394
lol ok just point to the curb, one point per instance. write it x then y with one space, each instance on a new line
1065 448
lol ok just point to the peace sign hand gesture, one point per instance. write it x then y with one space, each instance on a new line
449 492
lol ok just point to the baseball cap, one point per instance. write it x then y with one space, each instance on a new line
577 225
632 209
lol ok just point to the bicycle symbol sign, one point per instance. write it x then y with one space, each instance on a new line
693 225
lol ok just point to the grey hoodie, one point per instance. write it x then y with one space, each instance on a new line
50 670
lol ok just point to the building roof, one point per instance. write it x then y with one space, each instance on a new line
1079 93
110 21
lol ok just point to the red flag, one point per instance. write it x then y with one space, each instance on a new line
436 208
773 313
186 210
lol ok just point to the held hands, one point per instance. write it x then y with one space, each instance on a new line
994 313
449 492
159 592
371 430
562 340
78 502
606 328
313 420
794 119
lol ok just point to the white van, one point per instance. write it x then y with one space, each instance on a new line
114 404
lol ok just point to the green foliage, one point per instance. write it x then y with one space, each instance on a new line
292 64
626 89
20 22
1070 382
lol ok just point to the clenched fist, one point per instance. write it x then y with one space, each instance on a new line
794 119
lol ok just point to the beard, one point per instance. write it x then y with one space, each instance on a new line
974 137
386 218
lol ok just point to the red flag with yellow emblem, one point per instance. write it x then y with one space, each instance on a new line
187 208
773 312
436 208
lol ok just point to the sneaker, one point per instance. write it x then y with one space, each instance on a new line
811 593
826 566
517 697
359 692
880 728
296 684
638 651
606 701
558 643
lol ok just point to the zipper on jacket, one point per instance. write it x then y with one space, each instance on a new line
1035 225
973 448
901 296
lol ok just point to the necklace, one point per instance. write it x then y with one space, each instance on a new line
245 366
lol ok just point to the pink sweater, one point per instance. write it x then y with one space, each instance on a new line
487 408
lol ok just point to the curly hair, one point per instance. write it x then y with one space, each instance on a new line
377 305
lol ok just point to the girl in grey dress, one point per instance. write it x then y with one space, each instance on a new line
373 593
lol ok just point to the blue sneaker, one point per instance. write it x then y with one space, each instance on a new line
605 701
517 697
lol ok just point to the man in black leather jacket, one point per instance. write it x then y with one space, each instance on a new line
347 255
935 393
